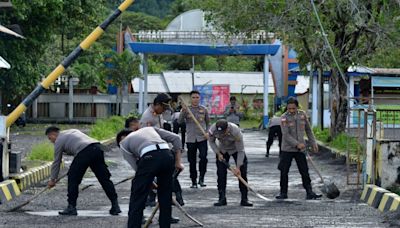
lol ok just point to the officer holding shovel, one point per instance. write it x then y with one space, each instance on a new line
295 125
231 144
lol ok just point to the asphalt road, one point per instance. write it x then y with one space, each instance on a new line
93 205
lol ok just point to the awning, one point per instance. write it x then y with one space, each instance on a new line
4 63
10 32
385 81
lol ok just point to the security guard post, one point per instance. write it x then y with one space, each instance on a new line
147 151
195 139
231 143
295 125
87 153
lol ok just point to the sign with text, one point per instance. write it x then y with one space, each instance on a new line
214 97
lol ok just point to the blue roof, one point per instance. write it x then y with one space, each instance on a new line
201 49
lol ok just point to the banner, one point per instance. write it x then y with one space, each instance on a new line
214 97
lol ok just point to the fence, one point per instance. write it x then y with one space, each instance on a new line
87 108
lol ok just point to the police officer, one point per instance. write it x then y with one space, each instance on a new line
132 123
196 140
230 144
147 151
295 125
177 126
232 113
274 130
152 116
87 153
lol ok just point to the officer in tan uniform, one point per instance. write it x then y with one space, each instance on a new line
295 125
230 141
195 139
152 116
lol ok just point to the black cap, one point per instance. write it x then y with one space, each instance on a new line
221 125
162 98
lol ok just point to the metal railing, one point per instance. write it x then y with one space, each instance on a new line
257 37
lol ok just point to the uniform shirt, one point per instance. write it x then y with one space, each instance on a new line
132 145
229 142
193 133
294 127
275 121
233 117
167 115
70 142
151 118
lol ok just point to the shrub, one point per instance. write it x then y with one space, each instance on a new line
321 135
107 128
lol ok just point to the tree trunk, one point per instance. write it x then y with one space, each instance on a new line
339 100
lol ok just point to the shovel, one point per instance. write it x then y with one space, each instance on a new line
329 189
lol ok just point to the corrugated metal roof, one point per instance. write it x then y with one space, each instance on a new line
181 81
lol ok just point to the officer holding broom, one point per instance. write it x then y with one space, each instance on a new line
230 140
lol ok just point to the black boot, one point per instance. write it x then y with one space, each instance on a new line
174 220
194 184
310 194
221 200
281 196
115 210
179 198
201 182
267 154
151 199
70 210
245 202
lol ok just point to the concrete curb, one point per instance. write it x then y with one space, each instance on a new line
8 190
337 153
373 195
33 176
390 202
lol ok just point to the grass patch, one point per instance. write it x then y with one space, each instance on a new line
321 135
394 189
43 151
249 124
107 128
339 142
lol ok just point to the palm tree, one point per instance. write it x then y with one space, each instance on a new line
123 67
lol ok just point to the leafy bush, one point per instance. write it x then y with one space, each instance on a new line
107 128
43 151
340 142
322 136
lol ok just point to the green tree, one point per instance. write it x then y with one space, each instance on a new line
123 68
42 23
355 29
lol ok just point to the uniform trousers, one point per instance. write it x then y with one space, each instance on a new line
284 166
192 158
222 172
160 164
91 156
274 131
